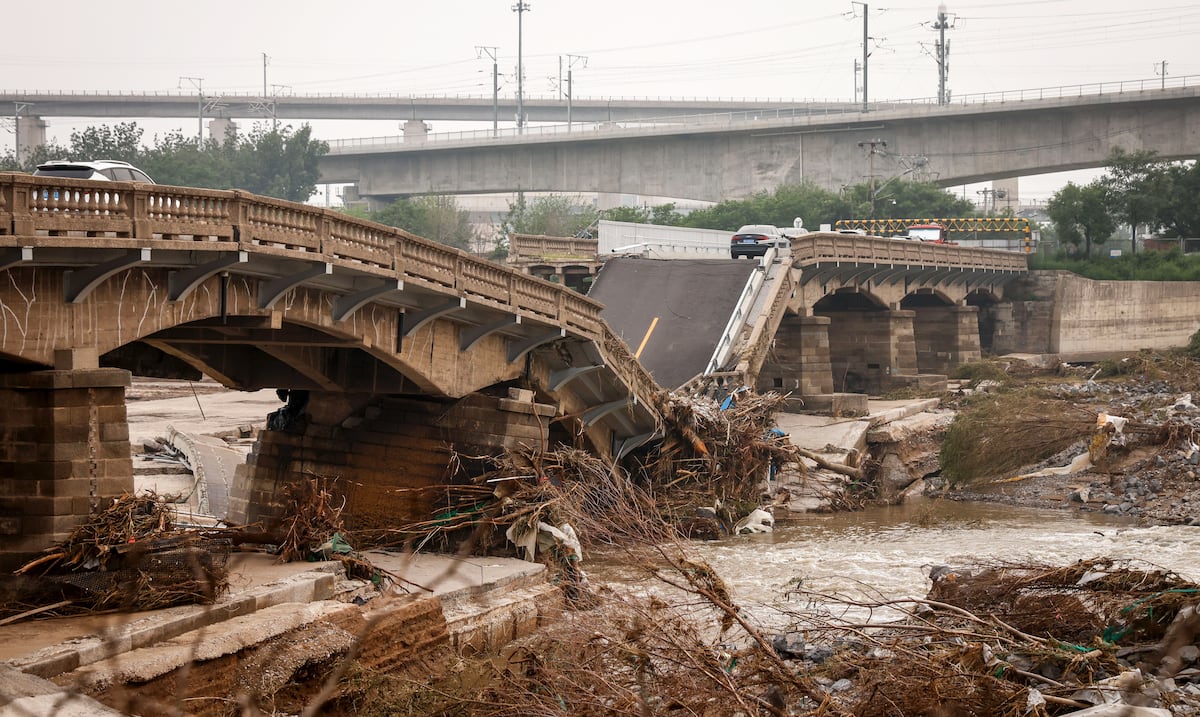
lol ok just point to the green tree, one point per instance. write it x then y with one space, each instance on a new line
1134 183
278 162
434 217
34 157
178 160
1179 214
637 215
122 141
552 215
1081 214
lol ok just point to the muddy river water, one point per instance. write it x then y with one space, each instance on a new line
886 553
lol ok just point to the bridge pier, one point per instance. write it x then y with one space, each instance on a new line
799 360
64 451
870 349
384 449
946 337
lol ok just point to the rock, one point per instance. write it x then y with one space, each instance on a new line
788 645
1080 496
841 685
817 653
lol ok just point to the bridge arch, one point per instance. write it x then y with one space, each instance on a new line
945 330
221 330
868 341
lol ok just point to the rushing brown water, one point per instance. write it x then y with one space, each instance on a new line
886 553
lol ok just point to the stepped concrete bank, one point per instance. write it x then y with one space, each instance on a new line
1078 319
467 605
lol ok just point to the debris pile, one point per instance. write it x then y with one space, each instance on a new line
1118 438
127 555
1007 640
713 456
312 529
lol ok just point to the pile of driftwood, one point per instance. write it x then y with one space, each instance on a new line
687 648
127 555
711 454
718 451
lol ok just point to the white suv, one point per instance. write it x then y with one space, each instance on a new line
104 169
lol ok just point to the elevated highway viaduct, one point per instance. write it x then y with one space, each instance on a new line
731 158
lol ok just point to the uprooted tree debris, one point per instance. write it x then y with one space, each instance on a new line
712 457
127 555
1108 634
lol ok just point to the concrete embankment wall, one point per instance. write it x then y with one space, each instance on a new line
1080 319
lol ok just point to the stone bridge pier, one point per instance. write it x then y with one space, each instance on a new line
64 450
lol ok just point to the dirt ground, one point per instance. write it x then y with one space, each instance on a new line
1153 477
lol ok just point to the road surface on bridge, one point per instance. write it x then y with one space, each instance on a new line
671 312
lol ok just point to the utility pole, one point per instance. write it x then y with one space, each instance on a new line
857 67
1162 72
942 24
876 147
520 9
198 83
491 52
866 54
571 60
18 108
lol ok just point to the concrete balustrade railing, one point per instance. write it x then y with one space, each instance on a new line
58 211
536 245
851 248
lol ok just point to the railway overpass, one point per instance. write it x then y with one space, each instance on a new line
734 155
133 105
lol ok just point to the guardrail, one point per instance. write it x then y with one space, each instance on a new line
741 312
63 212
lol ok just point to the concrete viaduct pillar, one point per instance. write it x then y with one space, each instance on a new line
64 450
946 337
31 134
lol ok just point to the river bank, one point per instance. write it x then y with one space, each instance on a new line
1126 440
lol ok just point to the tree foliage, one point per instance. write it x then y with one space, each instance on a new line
1179 213
279 163
434 217
816 206
551 215
1081 215
1134 182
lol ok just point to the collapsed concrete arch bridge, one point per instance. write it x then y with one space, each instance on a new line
408 349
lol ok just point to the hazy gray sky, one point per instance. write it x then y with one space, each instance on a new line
650 48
